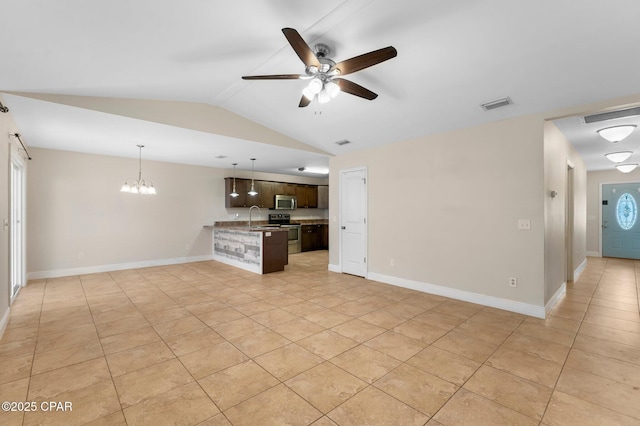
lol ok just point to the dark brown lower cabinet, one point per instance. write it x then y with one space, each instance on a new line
275 251
324 237
315 237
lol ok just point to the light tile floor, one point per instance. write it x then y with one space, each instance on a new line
205 343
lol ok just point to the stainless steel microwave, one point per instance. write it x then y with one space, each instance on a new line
286 202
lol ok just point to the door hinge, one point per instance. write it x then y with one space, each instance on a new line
365 220
365 260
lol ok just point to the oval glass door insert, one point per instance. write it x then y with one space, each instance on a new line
626 211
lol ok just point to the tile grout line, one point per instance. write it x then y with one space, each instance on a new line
553 389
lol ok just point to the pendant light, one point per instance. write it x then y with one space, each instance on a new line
234 193
139 186
253 191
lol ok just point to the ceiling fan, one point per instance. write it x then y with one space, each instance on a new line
324 74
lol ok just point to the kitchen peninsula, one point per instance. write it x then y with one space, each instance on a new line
259 249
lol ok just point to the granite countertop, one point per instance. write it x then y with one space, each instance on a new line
245 224
254 228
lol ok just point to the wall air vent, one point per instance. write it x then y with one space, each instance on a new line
498 103
622 113
343 142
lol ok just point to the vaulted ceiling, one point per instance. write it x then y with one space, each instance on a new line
101 77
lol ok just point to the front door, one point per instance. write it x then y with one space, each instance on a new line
620 222
353 221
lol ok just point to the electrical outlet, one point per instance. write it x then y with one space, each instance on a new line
392 262
81 255
187 247
513 282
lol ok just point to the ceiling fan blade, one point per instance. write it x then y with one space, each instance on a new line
366 60
272 77
301 48
304 101
354 89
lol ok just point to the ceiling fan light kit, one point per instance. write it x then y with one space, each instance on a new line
617 133
324 74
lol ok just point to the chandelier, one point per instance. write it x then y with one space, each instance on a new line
139 186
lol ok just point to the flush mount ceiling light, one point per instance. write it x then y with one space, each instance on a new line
618 157
626 168
616 133
317 170
252 191
139 186
234 193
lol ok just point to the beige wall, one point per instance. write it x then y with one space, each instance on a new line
594 183
75 207
558 154
446 208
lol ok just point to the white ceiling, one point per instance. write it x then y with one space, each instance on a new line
452 56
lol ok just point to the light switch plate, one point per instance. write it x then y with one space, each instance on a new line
524 224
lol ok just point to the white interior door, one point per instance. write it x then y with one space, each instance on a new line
353 221
17 244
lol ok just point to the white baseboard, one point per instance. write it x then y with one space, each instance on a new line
594 254
4 321
114 267
579 270
335 268
467 296
555 298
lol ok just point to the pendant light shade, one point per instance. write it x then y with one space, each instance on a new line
618 157
626 168
252 191
616 133
139 186
234 193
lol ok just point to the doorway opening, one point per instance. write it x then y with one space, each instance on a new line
569 223
17 264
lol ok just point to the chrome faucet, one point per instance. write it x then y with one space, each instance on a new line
250 210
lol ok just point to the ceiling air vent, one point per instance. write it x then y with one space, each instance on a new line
220 157
498 103
343 142
594 118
